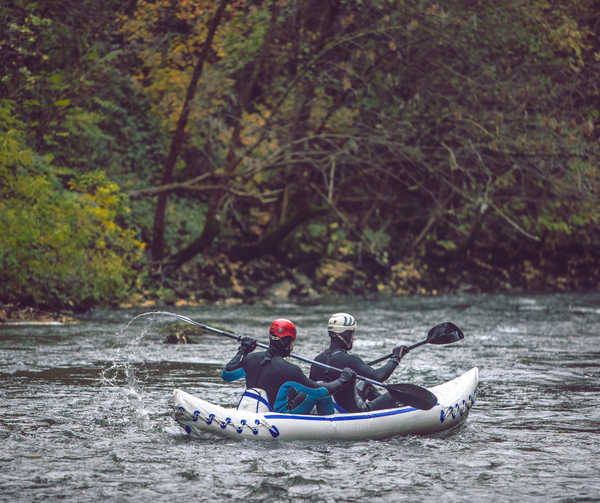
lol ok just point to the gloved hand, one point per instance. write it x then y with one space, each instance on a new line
347 377
248 345
399 352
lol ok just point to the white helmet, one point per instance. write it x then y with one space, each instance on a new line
341 322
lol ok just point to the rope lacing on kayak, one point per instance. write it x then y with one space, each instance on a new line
274 431
223 424
456 409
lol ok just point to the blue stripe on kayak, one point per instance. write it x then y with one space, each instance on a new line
342 417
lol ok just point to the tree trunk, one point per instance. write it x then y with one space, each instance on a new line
210 231
212 225
271 240
464 248
158 244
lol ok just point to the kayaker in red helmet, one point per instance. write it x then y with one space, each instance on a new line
288 389
341 329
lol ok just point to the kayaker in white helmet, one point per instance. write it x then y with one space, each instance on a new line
341 329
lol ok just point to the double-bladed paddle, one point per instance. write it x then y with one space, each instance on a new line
444 333
408 394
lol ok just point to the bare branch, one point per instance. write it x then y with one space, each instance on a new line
514 224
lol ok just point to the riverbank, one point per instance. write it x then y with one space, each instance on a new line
17 314
266 282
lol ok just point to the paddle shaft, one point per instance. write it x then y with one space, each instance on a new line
386 357
301 358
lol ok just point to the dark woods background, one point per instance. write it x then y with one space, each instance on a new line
200 149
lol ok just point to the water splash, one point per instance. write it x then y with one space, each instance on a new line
121 375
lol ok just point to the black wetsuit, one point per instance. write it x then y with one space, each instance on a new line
337 356
274 373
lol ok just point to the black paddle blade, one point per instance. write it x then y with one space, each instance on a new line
412 395
444 333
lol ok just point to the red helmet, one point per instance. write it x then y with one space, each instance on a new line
282 328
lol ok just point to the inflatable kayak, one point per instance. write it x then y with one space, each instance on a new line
253 419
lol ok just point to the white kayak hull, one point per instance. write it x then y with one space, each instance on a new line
202 419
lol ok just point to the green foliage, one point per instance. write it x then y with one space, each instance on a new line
60 246
71 83
454 132
316 230
378 241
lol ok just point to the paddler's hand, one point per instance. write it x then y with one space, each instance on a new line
399 352
347 377
248 345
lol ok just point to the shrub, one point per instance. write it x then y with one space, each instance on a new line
60 241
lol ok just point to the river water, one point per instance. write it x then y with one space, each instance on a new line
85 408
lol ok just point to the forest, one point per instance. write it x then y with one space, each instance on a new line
186 151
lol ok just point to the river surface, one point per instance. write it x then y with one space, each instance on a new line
85 408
